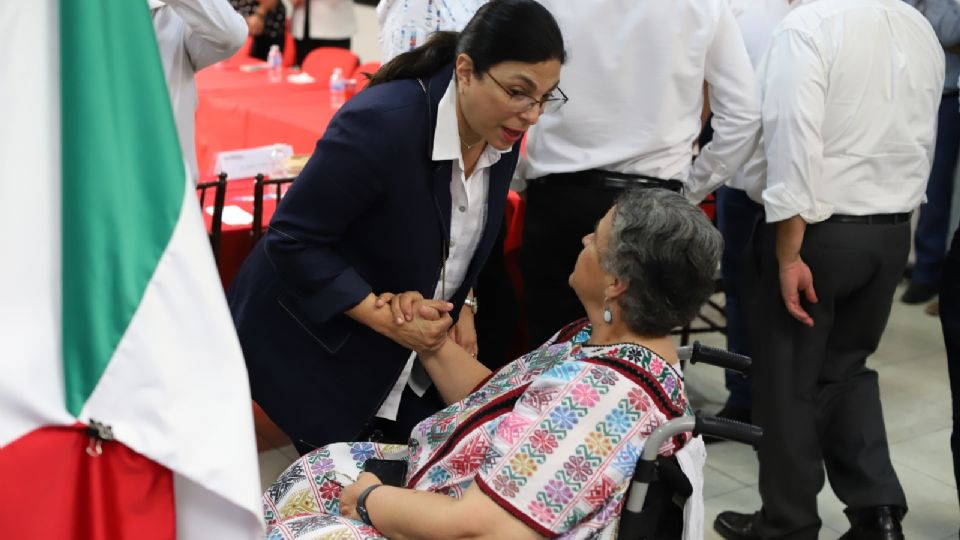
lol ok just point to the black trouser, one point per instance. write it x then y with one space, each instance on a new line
950 320
497 318
737 218
556 220
561 210
812 393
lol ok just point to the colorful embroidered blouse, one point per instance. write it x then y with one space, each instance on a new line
554 436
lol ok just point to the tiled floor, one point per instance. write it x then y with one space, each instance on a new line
916 399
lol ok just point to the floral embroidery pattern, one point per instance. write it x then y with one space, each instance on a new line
558 454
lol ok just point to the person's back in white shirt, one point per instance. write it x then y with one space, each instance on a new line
192 35
406 24
329 19
757 21
635 82
851 90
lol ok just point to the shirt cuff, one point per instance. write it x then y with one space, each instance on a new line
780 204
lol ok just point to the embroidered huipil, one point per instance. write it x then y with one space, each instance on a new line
553 437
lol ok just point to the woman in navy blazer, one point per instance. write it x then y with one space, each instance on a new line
371 214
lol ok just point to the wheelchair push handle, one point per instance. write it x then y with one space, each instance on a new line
714 356
726 428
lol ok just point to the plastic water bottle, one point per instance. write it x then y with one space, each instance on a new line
277 156
275 64
338 88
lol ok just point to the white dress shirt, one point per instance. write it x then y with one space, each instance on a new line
635 82
851 90
757 20
329 19
406 24
468 217
191 35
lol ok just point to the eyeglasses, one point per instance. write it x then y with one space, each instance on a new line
521 103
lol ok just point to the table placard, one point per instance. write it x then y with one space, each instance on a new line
248 162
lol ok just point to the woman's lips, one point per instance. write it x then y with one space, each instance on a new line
511 135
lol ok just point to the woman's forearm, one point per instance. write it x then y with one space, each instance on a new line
367 314
455 371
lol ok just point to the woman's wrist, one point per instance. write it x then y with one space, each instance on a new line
362 504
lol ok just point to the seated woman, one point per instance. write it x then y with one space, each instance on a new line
545 446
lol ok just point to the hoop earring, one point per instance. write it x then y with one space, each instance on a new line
607 313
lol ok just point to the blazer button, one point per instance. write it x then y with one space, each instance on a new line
462 209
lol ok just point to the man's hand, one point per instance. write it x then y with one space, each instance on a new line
350 494
255 24
795 277
296 3
464 333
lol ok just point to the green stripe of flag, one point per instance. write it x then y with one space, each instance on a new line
123 178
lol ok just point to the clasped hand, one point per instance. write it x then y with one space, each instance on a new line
350 494
419 324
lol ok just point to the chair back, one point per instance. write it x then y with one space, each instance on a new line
360 74
260 184
321 62
219 187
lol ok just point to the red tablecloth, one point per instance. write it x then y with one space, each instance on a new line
238 109
236 241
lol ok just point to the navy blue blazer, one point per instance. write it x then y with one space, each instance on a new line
369 213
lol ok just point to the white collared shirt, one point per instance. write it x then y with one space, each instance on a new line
406 24
636 92
468 216
191 35
851 90
757 20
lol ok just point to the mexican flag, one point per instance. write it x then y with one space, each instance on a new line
111 312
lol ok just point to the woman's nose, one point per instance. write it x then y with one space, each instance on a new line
533 115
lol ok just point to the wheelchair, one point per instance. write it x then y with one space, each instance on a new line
659 489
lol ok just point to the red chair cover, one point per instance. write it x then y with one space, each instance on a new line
321 62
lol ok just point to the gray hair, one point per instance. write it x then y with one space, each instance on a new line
668 252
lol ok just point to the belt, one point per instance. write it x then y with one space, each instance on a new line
607 179
875 219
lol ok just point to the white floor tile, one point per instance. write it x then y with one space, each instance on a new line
916 397
933 508
738 461
927 454
716 483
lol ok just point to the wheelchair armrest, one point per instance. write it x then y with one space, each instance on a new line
716 357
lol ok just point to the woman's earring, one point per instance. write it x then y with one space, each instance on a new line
607 313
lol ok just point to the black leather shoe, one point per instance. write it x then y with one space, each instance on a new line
735 526
733 413
878 523
919 293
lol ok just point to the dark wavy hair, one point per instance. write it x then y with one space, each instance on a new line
500 31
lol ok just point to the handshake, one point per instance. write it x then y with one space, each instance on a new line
423 325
